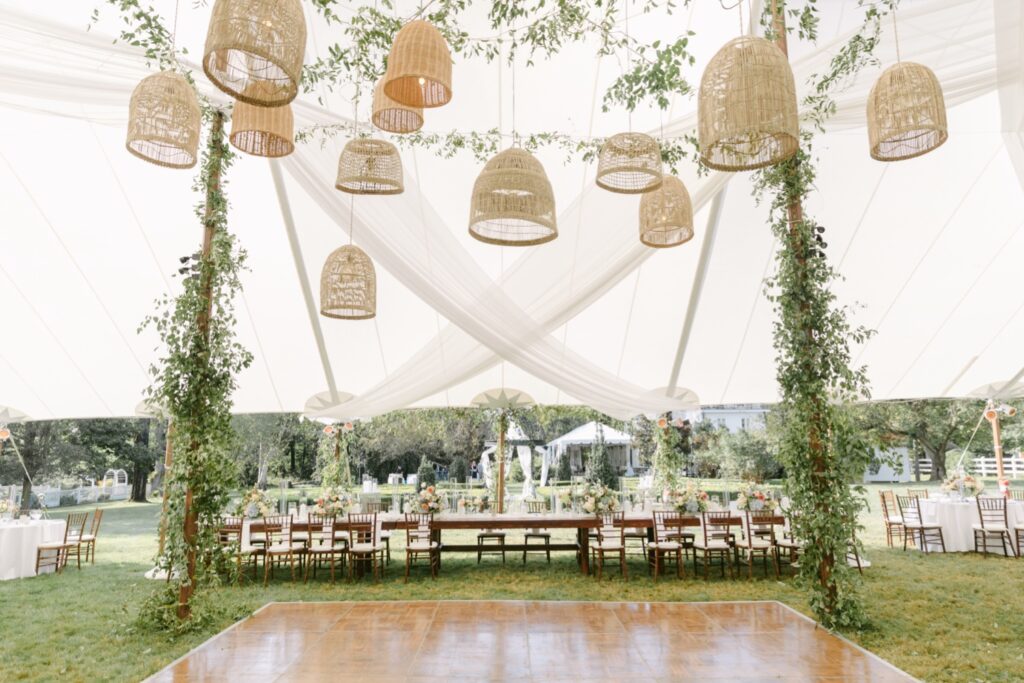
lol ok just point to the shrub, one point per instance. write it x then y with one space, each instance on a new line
748 455
515 472
426 473
564 467
459 470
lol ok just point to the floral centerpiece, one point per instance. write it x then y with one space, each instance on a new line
963 484
332 502
476 503
255 503
598 499
692 498
429 499
755 497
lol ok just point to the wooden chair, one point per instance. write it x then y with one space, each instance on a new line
378 507
759 537
891 517
663 547
74 525
89 539
917 493
1017 494
537 507
611 541
419 541
714 540
914 526
230 536
993 523
322 544
364 543
787 545
278 545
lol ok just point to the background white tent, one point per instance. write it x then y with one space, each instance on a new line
619 444
91 236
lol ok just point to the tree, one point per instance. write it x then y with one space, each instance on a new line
38 443
934 426
459 470
564 466
425 473
748 455
599 468
644 439
515 472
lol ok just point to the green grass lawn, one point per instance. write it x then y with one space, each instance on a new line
941 618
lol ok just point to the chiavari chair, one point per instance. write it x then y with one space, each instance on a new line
993 523
537 507
664 547
611 541
323 545
278 545
891 517
74 525
715 540
419 541
89 539
915 528
759 538
364 543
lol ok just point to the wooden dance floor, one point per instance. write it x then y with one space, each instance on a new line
427 642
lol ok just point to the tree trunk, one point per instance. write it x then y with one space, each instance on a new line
26 493
938 458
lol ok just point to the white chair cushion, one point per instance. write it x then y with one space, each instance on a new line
280 548
384 534
711 544
1019 527
788 543
610 545
895 519
55 545
422 545
365 548
664 545
759 543
991 528
922 525
88 537
325 548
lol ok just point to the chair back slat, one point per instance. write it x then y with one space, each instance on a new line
918 493
717 524
277 530
362 527
97 517
992 511
418 527
377 506
761 522
1017 494
613 528
75 527
321 528
230 530
665 523
910 509
536 506
888 504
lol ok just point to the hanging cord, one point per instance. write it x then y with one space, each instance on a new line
174 30
629 64
960 462
515 135
896 36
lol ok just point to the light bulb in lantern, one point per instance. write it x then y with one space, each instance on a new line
422 80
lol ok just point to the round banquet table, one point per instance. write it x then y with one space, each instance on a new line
19 541
956 518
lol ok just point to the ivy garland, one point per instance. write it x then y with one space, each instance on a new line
194 379
812 336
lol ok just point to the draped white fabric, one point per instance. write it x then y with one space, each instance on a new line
592 317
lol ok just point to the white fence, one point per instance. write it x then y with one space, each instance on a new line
53 496
1013 467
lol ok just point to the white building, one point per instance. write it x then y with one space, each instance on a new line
732 417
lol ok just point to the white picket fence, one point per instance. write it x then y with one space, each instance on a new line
53 496
1013 467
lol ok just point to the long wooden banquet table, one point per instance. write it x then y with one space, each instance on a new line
582 523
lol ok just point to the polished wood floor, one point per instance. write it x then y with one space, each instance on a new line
428 642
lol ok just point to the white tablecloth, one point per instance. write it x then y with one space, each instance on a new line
18 544
957 517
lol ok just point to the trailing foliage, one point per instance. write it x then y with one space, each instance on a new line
195 377
668 456
819 445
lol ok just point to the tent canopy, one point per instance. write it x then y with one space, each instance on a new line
587 434
930 248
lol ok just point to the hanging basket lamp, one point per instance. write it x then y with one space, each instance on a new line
629 163
369 166
348 285
256 43
746 108
906 113
164 120
513 203
419 72
263 131
392 116
666 215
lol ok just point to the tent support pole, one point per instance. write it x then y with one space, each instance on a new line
714 215
499 489
168 459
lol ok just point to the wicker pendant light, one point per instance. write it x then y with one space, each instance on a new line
394 117
164 121
906 113
263 131
666 215
513 203
348 285
369 166
419 72
256 42
746 109
629 163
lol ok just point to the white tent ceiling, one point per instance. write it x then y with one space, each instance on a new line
929 247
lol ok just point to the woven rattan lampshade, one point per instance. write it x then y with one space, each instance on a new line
369 166
419 72
164 121
394 117
629 163
513 203
906 113
256 42
746 109
263 131
666 215
348 285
